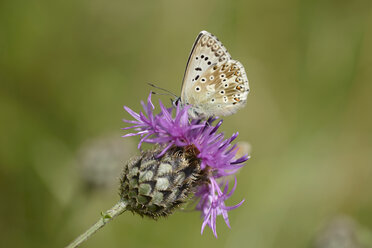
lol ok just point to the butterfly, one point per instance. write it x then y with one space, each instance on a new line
213 84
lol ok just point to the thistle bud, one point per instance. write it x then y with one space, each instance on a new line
154 186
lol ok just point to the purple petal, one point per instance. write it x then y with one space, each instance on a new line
149 102
132 113
165 150
226 218
233 207
216 127
213 222
206 219
233 189
241 159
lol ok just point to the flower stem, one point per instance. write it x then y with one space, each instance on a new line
115 211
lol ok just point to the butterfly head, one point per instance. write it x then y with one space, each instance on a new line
176 102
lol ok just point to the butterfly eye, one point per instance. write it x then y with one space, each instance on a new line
222 75
222 92
211 77
226 85
203 79
197 89
215 47
212 100
225 99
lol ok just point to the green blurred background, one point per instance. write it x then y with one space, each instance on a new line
68 67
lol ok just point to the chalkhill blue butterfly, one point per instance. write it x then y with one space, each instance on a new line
213 84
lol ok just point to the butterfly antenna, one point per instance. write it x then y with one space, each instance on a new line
160 94
157 87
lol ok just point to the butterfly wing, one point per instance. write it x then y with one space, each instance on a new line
202 57
213 83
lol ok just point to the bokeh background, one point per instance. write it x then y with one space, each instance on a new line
68 67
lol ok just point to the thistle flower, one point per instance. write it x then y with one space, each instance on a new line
184 144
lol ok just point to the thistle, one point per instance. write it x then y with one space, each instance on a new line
214 155
155 186
189 159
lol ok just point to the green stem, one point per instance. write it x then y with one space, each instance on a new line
115 211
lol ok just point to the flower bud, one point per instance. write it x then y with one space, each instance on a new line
99 164
155 186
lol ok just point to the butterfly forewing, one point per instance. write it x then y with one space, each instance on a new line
213 83
206 51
